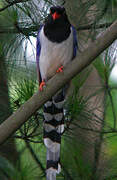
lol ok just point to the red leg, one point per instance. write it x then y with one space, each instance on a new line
41 85
60 69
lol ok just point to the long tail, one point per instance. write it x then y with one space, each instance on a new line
53 129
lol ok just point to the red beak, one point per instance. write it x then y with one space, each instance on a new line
55 15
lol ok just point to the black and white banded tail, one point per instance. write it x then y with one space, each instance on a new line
53 129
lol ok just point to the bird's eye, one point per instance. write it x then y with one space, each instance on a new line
52 11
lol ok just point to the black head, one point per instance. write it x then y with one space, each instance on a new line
57 25
57 12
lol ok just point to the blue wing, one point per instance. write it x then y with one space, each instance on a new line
38 50
75 43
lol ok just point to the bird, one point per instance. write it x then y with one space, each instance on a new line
56 46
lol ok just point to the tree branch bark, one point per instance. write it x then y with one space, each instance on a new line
12 3
91 26
8 127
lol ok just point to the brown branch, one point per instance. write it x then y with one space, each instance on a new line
91 26
15 121
12 3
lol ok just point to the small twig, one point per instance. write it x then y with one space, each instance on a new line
91 26
12 3
35 157
26 138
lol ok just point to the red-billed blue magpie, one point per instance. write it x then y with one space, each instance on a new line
56 47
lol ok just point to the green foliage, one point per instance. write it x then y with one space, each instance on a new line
104 66
76 103
31 131
74 166
6 168
23 90
26 171
17 24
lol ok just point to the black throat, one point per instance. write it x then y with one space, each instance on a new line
58 30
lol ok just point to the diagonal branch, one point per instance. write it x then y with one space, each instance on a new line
12 3
9 126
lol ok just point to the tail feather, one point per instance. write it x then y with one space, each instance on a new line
53 129
52 157
51 174
53 160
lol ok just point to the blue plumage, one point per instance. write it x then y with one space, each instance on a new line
75 43
38 50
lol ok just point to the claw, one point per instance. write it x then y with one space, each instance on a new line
60 69
41 85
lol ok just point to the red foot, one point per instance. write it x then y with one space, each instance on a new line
60 69
41 85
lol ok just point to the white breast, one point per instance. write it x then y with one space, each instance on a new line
53 55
